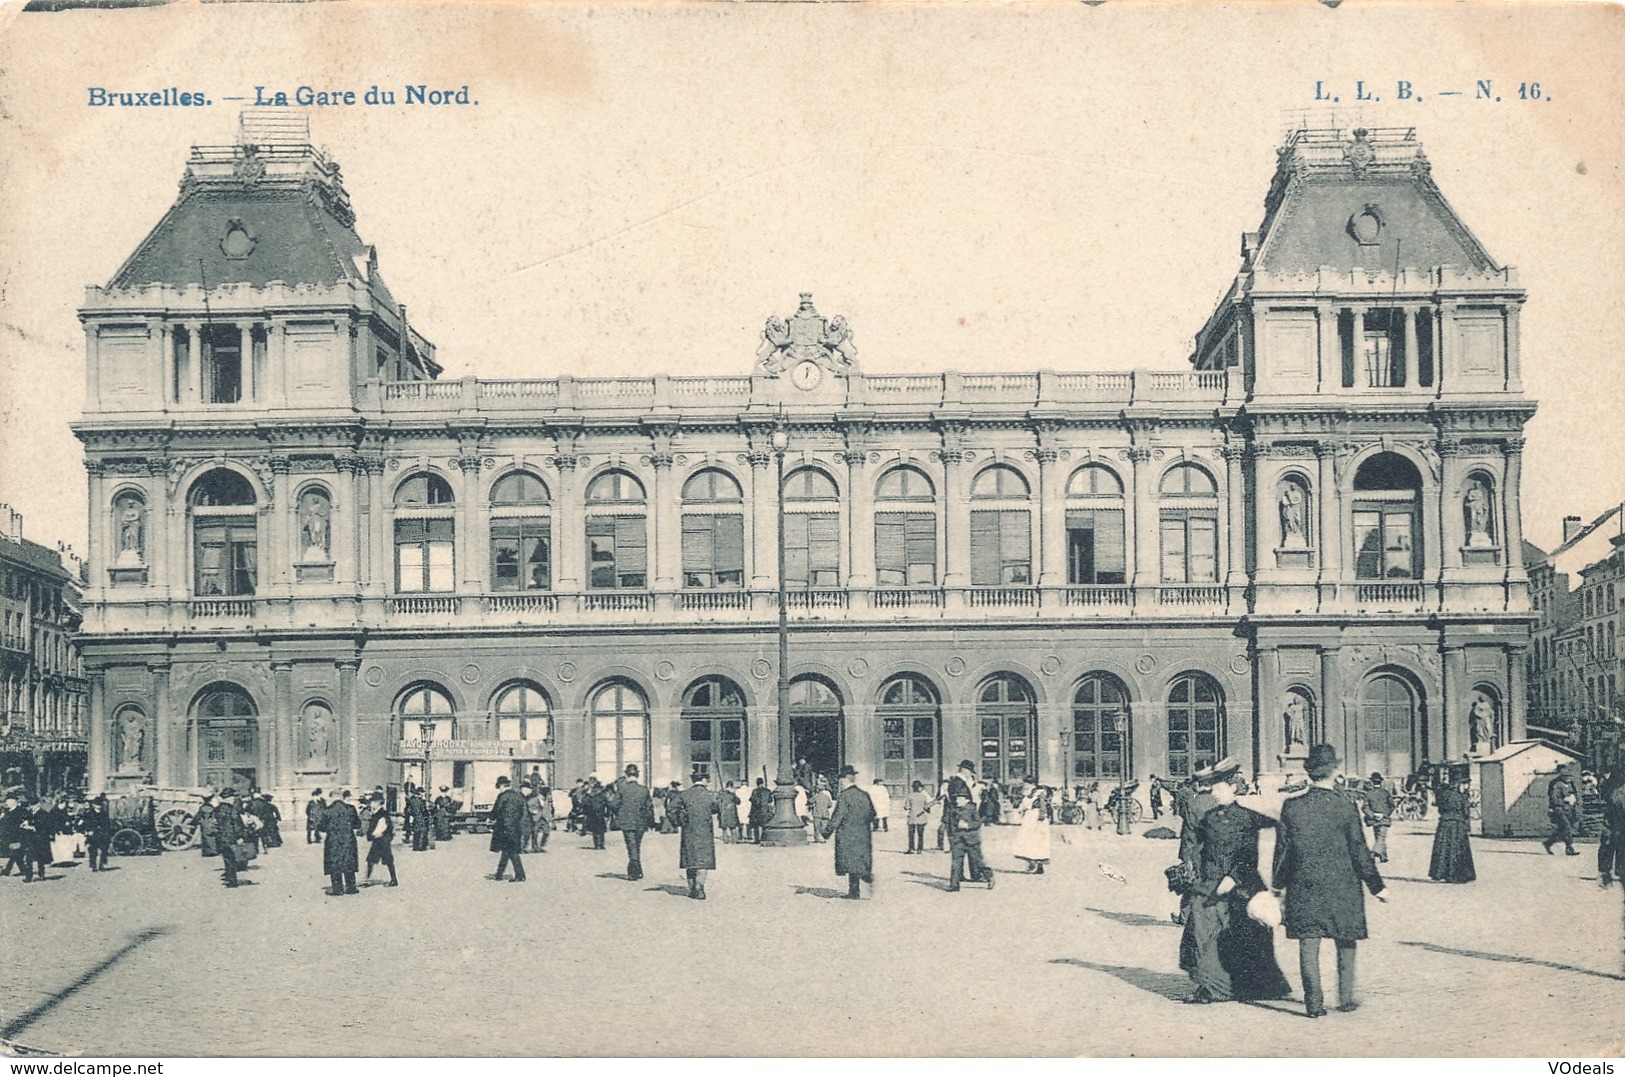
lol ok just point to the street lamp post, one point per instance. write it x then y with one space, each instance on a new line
785 828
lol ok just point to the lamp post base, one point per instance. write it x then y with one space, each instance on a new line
786 827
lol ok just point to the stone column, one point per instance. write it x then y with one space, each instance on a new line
1512 513
1145 529
1328 499
666 533
569 532
349 738
1441 315
1051 521
1452 679
1335 727
955 521
1517 702
97 763
1331 347
764 523
166 364
1412 367
245 333
163 726
281 530
279 730
1234 535
1514 372
860 515
383 539
345 526
470 535
1362 378
276 362
194 359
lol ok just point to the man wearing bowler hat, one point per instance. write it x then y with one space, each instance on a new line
964 827
852 827
1321 860
507 829
634 810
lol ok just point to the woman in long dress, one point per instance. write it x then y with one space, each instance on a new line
1452 855
1228 954
1032 840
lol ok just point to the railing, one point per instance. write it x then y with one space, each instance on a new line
1185 381
517 389
1024 386
618 602
714 601
425 606
1112 386
615 388
1187 595
220 607
901 386
983 597
691 389
824 599
525 603
1103 595
423 390
1388 594
903 598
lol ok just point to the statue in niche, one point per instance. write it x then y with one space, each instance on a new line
131 738
132 527
1295 718
1293 534
1481 718
315 533
1476 510
318 736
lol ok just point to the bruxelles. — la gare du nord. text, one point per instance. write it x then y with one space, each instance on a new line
303 96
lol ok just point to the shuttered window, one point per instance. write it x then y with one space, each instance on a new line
1095 546
1000 548
713 550
812 550
618 552
905 548
1190 547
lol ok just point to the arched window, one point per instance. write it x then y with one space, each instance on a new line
714 717
1189 517
521 534
426 713
1196 729
225 535
620 722
911 733
617 533
905 529
812 530
1006 718
1001 549
227 738
1388 725
1096 546
425 535
713 530
1387 515
522 713
1101 746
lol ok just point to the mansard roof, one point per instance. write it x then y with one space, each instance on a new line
1365 200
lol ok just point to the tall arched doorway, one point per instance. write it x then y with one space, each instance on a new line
1005 718
620 723
228 743
911 734
817 726
1388 726
714 727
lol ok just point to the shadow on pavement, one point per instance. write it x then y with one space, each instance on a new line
1171 986
621 875
1133 919
1512 958
1291 1009
667 888
820 892
84 979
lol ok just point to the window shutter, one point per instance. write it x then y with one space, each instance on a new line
1173 550
1110 545
730 543
890 560
1204 549
698 547
984 548
1015 547
823 542
631 547
795 550
921 533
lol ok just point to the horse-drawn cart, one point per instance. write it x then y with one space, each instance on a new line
154 818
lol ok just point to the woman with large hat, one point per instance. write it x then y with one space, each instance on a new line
1228 954
1452 860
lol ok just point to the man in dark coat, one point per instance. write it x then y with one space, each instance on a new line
17 837
761 809
1321 860
98 827
417 820
695 807
965 841
340 855
634 812
315 808
508 829
381 834
1379 815
1611 849
852 826
1563 809
228 831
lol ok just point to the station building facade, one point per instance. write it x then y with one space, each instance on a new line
317 563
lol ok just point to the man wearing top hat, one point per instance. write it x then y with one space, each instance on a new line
851 824
16 835
695 807
634 811
1321 860
340 853
964 826
229 830
508 829
98 827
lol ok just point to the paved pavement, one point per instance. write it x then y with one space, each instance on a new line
156 958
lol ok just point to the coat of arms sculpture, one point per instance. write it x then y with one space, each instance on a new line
806 337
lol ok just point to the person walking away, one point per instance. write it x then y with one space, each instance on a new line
507 829
881 797
695 807
1033 839
1563 809
761 809
1227 953
441 813
1452 860
527 822
852 826
17 837
208 825
315 807
595 812
381 835
536 808
273 822
417 820
821 806
340 824
1379 816
1156 798
1321 861
992 807
1611 847
230 836
917 806
728 813
634 808
98 832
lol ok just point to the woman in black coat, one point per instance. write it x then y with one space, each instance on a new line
1452 855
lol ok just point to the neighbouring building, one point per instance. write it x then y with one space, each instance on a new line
315 562
43 692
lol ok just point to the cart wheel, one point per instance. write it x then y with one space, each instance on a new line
176 829
1135 812
127 842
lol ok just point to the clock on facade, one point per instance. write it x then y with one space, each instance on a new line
806 375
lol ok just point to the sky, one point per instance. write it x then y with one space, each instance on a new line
973 186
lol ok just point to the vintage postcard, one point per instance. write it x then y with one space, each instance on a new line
1163 457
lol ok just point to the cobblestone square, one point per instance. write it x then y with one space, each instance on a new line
156 958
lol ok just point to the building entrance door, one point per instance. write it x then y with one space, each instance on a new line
229 754
817 730
1388 726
